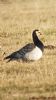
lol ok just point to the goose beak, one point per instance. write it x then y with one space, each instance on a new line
40 33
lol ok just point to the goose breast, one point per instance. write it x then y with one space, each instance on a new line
35 54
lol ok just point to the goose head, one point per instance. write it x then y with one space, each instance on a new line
36 40
35 35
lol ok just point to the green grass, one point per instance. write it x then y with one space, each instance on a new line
24 80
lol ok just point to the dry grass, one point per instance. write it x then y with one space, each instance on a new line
21 80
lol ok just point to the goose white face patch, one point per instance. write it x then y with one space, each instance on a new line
35 54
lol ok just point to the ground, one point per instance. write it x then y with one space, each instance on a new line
27 80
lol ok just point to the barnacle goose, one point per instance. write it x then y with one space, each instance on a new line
31 52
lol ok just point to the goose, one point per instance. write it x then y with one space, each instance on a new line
31 51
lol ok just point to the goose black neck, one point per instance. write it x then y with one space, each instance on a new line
36 41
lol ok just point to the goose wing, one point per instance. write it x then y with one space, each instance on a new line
20 53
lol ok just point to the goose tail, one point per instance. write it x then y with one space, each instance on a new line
9 58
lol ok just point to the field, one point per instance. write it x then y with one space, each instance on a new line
27 80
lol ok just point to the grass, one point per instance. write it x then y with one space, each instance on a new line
24 80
